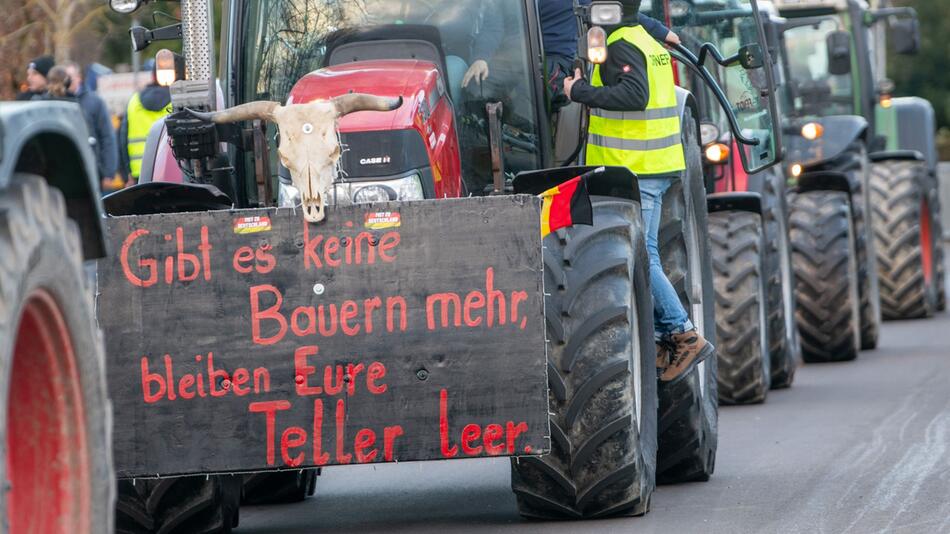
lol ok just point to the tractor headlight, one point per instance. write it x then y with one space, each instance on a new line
349 193
373 193
606 13
124 6
403 189
597 45
796 170
813 131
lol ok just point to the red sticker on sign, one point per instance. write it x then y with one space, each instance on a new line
383 220
252 225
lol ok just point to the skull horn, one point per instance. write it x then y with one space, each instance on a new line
351 103
262 109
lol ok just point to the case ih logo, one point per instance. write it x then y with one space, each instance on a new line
251 225
383 220
375 161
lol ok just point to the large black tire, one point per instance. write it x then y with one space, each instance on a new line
904 224
738 275
826 275
785 349
689 411
280 487
41 258
601 371
854 163
186 505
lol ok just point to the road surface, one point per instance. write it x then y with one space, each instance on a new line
859 448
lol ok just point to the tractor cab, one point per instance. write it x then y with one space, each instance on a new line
835 57
448 59
744 130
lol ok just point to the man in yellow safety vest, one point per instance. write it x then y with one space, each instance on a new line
635 123
146 107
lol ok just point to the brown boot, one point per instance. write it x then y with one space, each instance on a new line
689 350
663 354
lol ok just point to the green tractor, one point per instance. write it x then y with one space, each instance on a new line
836 66
844 121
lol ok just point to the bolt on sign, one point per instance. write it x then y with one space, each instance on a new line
251 340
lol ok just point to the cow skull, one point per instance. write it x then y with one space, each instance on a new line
309 144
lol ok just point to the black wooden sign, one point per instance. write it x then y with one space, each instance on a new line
250 340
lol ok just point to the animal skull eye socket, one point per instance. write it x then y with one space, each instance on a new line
307 128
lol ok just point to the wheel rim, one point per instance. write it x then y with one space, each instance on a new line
926 242
47 451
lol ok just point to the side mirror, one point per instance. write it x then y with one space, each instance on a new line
906 36
751 57
839 53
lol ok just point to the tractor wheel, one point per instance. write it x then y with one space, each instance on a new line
904 226
601 371
826 276
744 363
689 410
854 163
279 487
785 349
57 419
185 505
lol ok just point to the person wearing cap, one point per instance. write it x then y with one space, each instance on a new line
146 107
559 34
36 73
635 123
99 121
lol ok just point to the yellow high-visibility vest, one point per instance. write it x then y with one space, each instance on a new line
140 120
647 142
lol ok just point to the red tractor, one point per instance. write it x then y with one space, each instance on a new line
55 414
474 121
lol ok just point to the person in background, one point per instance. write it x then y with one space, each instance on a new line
146 107
57 86
559 34
635 123
36 74
99 122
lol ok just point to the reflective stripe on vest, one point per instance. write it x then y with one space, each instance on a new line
140 121
647 142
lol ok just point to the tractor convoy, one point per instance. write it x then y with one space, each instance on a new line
380 290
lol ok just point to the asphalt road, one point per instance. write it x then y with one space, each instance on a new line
859 448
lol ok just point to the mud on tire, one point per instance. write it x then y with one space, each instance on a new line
826 275
738 275
41 260
854 163
186 505
785 349
907 237
601 371
689 411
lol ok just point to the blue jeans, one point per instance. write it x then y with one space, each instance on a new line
669 316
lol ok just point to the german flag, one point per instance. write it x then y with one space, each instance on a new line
566 205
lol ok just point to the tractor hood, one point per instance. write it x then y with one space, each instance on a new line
410 79
839 132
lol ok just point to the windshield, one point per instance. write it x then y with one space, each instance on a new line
477 39
813 89
729 25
